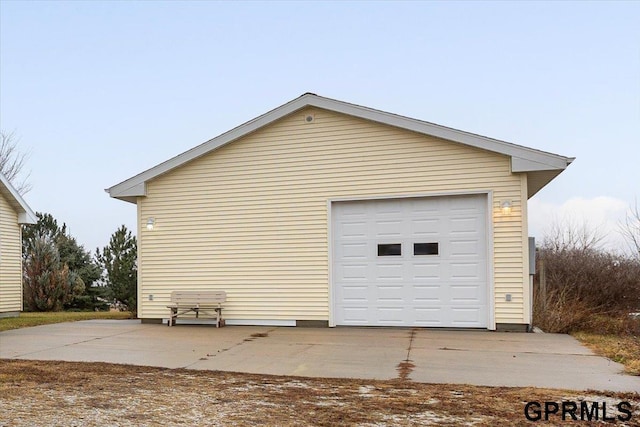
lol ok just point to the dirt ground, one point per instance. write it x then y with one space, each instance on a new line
34 393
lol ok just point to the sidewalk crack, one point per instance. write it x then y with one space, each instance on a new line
405 367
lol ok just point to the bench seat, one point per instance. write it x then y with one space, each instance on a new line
199 302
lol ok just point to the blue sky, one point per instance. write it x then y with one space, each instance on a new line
99 91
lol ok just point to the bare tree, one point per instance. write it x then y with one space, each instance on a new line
12 162
570 234
630 230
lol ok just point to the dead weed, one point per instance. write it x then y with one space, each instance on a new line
98 394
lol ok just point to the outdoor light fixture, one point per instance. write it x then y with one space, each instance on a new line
150 223
506 207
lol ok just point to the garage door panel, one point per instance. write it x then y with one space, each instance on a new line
389 293
469 294
439 278
390 315
463 225
465 248
427 294
389 228
466 316
354 229
389 272
426 227
466 270
353 272
354 293
419 207
356 315
428 316
383 207
353 251
426 271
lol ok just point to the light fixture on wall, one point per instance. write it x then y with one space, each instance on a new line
150 223
506 207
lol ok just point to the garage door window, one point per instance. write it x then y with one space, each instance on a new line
390 249
425 248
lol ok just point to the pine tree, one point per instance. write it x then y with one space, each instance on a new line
83 271
119 262
48 284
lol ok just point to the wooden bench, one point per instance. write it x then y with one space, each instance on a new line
204 302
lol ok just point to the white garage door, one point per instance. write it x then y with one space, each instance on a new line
411 262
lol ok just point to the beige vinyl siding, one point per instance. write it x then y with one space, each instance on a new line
251 218
10 259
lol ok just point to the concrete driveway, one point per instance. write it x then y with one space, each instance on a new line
422 355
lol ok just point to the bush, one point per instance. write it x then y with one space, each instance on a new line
561 313
587 289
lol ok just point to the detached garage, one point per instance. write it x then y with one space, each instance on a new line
322 212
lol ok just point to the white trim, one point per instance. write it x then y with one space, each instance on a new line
25 214
139 302
491 263
527 301
530 165
525 159
491 321
412 195
332 320
259 322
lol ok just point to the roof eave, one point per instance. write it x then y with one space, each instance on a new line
550 162
27 218
128 194
25 214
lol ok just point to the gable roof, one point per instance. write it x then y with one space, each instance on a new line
25 214
540 166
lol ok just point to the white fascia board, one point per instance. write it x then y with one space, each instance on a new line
133 187
519 164
25 214
138 189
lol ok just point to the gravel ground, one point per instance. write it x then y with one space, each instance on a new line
34 393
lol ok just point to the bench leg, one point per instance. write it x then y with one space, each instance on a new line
172 317
218 316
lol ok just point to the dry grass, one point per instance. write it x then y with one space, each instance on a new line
26 320
98 394
623 349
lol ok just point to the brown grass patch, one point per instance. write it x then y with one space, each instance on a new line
623 349
98 394
26 320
